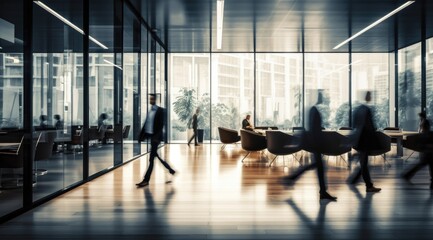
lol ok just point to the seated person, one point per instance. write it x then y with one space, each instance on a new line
246 125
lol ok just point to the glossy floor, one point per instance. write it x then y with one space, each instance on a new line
214 196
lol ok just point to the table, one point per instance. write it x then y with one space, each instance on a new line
398 136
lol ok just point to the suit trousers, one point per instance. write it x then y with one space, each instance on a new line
154 153
194 136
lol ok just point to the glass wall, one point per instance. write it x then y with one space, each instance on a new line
131 79
370 72
279 90
429 78
409 85
57 96
189 87
11 103
101 86
232 94
328 74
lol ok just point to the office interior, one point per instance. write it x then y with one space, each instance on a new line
75 78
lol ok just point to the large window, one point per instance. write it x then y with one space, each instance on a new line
328 74
409 86
189 87
429 78
370 72
279 90
232 95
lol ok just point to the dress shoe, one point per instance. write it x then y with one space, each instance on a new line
187 144
327 196
142 184
172 172
373 189
196 145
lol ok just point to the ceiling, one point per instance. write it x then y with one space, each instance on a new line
283 25
249 25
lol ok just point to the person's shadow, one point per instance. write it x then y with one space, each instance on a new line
365 220
155 213
318 227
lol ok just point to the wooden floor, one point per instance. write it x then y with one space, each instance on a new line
215 196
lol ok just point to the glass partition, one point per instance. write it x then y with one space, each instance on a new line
11 104
131 78
103 133
57 96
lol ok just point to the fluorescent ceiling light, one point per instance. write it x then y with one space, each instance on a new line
220 16
112 64
375 23
67 22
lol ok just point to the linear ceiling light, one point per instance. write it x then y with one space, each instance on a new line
112 64
220 16
67 22
375 23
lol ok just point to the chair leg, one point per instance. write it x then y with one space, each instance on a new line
298 160
245 157
409 156
223 147
385 162
273 160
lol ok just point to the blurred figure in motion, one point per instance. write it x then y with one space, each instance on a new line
365 141
313 140
426 157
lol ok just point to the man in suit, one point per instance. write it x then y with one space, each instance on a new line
246 125
152 130
426 157
194 127
366 142
314 136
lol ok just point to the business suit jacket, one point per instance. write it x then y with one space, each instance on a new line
245 124
158 125
365 129
194 122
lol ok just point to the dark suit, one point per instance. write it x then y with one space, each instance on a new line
366 141
315 132
194 127
246 125
155 140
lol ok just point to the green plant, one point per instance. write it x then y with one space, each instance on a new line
184 105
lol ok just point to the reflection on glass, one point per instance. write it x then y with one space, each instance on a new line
11 106
57 101
409 85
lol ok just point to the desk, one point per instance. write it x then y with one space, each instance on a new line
398 136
